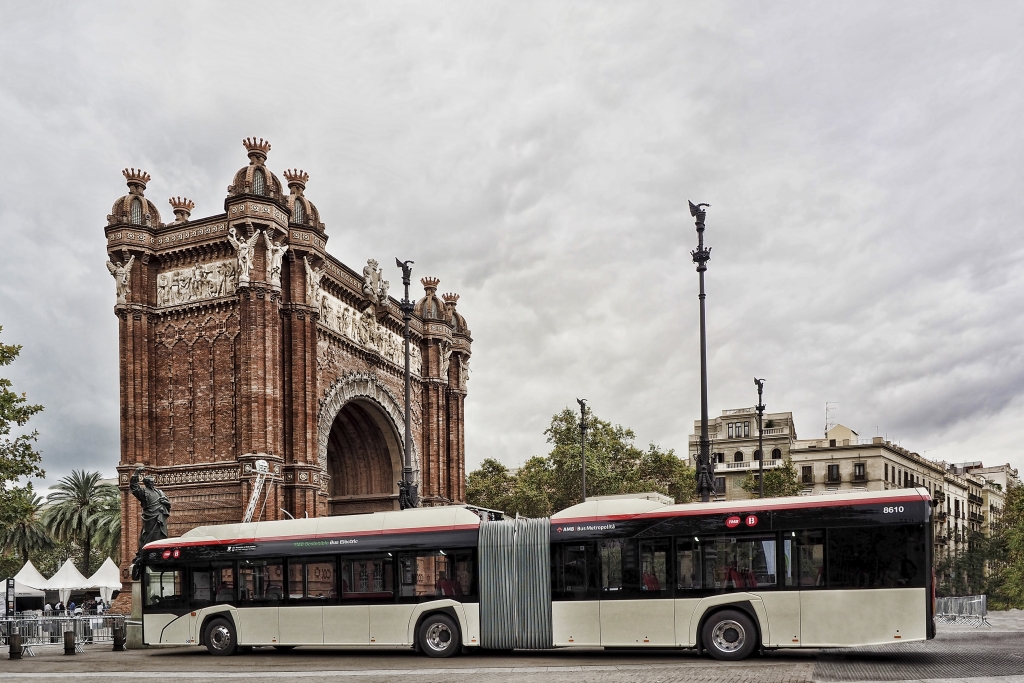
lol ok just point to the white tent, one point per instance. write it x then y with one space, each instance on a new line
66 580
20 591
107 578
30 576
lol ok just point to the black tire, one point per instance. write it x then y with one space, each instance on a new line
220 637
729 635
284 648
439 636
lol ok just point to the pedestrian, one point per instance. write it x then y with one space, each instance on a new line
47 608
71 607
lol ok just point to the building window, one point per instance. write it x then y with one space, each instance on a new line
719 486
730 430
737 456
833 473
887 471
259 182
746 429
807 474
859 471
299 214
136 211
757 454
776 454
720 457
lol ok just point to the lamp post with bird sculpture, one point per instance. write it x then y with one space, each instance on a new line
705 468
759 383
407 495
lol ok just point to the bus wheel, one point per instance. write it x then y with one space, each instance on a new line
439 636
729 635
220 637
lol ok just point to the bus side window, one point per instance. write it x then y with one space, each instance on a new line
610 552
212 584
163 587
740 562
260 581
688 564
654 568
368 578
810 547
435 574
578 571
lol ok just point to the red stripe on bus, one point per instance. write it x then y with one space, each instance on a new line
174 543
727 510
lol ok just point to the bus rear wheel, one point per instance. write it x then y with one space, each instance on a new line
220 637
729 635
439 636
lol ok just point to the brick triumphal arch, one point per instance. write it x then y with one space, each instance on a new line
241 339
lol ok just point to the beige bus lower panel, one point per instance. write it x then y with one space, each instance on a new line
862 616
165 629
346 624
783 610
301 625
576 622
389 624
705 604
637 623
257 625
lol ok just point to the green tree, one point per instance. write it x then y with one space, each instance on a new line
779 481
76 501
1009 575
108 525
615 465
21 529
19 458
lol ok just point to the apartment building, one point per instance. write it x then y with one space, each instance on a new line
734 450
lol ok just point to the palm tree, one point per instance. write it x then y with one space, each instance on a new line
22 530
76 500
108 524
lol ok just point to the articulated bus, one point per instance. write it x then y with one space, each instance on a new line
726 578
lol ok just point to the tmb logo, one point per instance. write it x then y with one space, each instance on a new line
732 522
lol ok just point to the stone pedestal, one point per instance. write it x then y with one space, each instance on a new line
133 627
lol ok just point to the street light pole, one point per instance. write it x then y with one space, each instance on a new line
407 494
705 468
583 446
759 383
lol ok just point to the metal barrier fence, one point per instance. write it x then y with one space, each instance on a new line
968 609
40 630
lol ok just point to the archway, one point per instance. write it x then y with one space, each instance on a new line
361 446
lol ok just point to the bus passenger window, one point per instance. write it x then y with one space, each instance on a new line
810 547
311 580
611 565
687 564
213 584
163 587
876 557
577 570
260 582
367 579
733 563
433 575
654 566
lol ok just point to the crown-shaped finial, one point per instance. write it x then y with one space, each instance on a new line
430 284
450 298
182 207
137 179
296 178
257 148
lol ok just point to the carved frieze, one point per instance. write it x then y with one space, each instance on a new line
204 476
364 330
198 282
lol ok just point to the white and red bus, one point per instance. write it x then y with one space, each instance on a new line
728 578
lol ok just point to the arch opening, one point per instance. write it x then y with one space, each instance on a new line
364 459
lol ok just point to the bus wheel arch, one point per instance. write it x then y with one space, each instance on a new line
223 625
448 623
743 606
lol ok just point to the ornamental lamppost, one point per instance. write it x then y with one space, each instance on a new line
705 468
583 446
759 383
407 494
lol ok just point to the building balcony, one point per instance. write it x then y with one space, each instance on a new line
939 495
977 500
746 465
941 540
941 516
975 517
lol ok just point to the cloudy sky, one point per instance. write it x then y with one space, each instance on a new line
862 160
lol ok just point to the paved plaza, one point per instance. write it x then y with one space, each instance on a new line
986 655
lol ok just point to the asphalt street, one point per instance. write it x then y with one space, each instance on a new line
985 655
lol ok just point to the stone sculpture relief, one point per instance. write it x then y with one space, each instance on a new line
463 371
196 283
364 329
313 277
245 249
275 255
122 277
375 287
446 358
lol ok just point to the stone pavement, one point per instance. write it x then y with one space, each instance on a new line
986 655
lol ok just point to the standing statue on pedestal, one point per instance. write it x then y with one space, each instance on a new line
156 508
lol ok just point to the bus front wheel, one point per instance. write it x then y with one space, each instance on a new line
220 637
439 636
729 635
